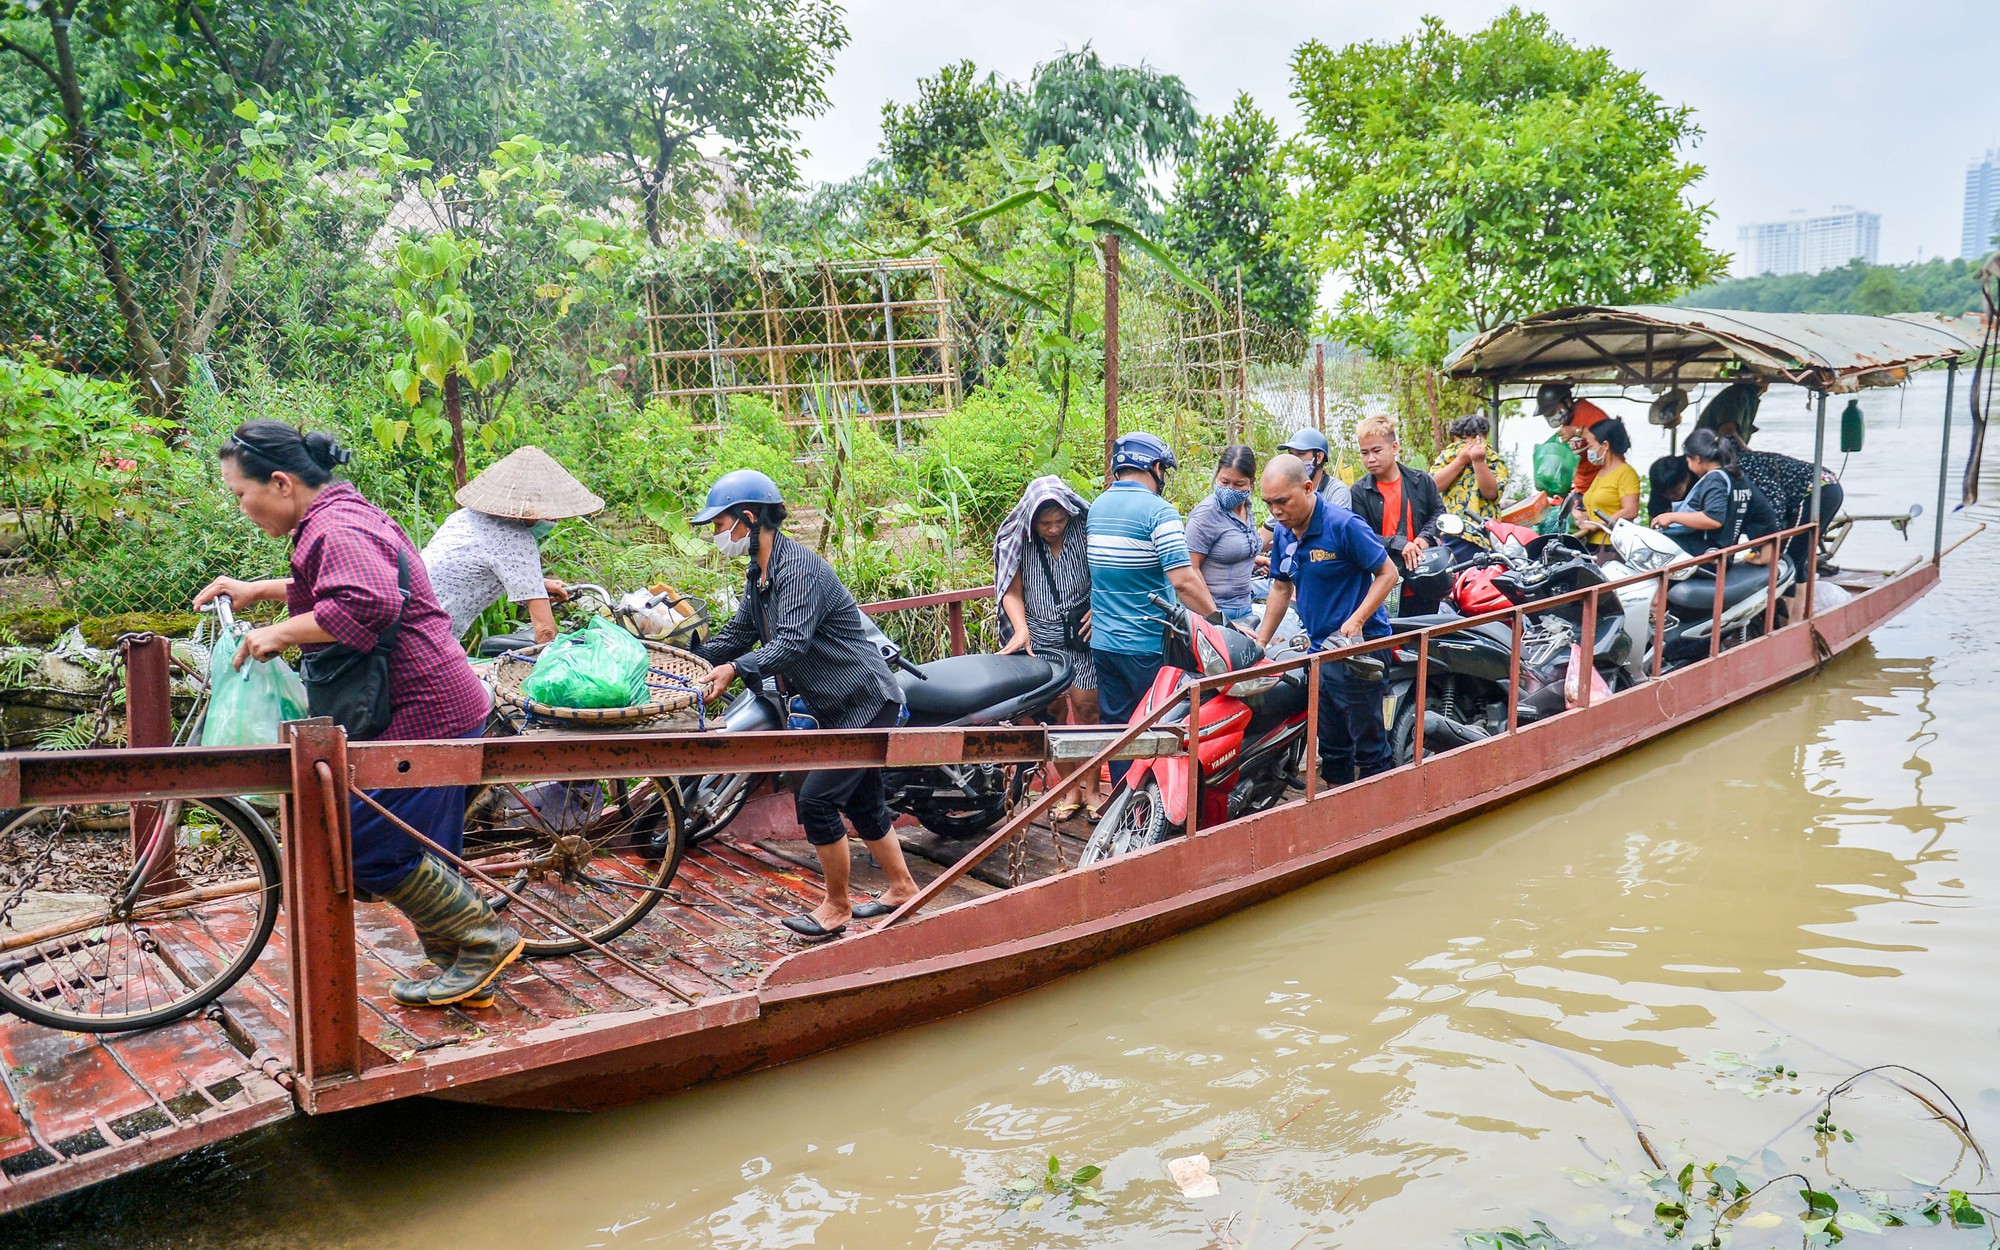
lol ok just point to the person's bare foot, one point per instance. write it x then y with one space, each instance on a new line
828 915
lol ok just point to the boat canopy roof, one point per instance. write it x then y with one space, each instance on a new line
1657 346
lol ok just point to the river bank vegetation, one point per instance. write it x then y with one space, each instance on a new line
446 231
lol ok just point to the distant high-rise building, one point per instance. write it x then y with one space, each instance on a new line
1982 208
1802 244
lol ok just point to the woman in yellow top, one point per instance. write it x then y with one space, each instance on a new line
1615 490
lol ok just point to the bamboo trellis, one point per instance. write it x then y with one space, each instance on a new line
870 340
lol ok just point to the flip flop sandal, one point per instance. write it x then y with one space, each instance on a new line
811 930
873 908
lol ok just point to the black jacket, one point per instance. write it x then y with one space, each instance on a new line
1423 503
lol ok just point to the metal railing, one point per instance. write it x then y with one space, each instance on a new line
317 770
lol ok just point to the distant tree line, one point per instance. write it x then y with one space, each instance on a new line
1943 286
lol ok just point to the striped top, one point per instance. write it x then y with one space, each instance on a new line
1136 539
1048 606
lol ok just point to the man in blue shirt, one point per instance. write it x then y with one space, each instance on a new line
1340 573
1138 548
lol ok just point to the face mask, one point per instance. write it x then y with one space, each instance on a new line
1596 455
1229 499
731 546
541 530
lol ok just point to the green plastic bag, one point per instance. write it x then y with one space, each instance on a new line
599 665
246 705
1555 466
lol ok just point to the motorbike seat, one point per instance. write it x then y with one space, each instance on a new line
960 685
500 644
1694 599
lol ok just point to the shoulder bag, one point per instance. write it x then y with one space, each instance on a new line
352 686
1074 638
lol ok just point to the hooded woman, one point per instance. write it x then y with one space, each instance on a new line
1041 577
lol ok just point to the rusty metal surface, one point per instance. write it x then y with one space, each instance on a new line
1654 345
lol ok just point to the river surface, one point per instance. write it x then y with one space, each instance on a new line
1450 1037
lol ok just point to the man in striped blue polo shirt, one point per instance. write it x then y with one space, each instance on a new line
1138 548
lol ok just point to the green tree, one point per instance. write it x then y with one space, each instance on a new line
1879 294
1229 211
1132 120
653 78
162 131
955 112
1452 182
1940 285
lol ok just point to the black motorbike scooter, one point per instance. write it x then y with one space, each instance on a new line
1470 669
950 800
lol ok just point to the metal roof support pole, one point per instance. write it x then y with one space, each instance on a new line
1944 458
1819 463
1111 277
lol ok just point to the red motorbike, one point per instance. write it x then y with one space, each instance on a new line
1250 739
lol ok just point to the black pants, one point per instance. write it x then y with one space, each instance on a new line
1801 547
1353 742
829 793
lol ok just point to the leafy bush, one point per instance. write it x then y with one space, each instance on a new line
77 456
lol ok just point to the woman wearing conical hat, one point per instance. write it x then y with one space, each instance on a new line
488 548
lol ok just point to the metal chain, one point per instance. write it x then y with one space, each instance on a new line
107 698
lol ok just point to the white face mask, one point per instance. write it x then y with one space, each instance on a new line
731 546
1596 455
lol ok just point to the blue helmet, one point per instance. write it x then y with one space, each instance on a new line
734 489
1307 440
1141 451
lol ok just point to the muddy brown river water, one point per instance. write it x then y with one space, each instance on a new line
1451 1037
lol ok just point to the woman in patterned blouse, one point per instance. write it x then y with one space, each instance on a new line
350 564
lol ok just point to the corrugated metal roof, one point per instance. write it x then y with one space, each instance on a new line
1656 345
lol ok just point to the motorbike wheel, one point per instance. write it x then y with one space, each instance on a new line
1403 738
713 802
974 816
1134 819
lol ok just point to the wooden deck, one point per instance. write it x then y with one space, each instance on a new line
81 1107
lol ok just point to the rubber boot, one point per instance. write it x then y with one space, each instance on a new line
441 904
443 954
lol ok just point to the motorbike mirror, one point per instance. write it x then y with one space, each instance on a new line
1452 524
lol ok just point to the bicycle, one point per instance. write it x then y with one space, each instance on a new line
600 853
122 938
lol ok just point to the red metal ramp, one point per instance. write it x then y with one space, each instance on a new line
80 1109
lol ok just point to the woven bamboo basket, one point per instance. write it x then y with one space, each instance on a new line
673 679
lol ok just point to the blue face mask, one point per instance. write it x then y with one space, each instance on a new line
1229 499
541 530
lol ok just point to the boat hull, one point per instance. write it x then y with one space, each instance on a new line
971 954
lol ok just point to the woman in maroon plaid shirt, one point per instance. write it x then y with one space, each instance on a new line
345 590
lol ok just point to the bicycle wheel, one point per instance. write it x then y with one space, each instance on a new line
81 951
598 854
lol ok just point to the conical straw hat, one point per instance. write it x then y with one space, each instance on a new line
528 485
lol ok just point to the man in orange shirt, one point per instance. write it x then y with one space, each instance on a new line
1559 406
1400 502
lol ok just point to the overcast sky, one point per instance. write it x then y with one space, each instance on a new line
1806 103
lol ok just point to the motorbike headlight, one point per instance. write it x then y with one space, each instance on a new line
1251 687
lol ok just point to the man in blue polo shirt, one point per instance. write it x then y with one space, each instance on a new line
1138 548
1340 573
